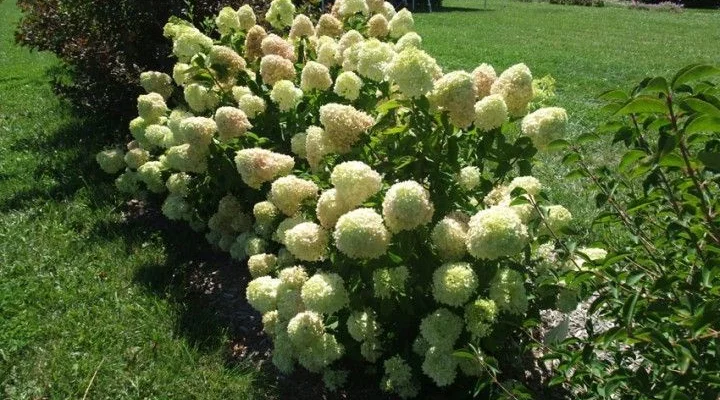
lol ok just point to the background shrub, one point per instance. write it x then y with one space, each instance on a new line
595 3
105 45
689 3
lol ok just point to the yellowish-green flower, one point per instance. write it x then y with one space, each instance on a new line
360 234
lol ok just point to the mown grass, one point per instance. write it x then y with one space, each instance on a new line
88 302
588 50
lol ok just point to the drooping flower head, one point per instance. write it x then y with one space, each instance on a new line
490 112
355 182
348 85
545 125
315 76
157 82
455 93
484 76
286 95
262 293
507 290
257 166
231 122
401 23
111 161
480 316
280 14
413 71
289 192
496 232
325 293
515 87
441 328
361 234
407 206
307 241
343 125
454 283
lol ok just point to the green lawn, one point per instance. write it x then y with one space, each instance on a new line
87 303
588 50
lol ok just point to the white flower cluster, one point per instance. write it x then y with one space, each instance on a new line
345 168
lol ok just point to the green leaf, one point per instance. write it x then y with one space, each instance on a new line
630 158
633 279
711 159
629 308
559 144
704 123
615 94
570 158
387 106
657 84
576 174
701 106
671 160
643 105
587 137
694 73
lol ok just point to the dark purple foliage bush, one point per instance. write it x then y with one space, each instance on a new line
105 45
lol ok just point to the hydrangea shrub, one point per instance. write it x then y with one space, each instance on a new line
385 208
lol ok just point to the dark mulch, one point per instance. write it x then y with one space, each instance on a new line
209 288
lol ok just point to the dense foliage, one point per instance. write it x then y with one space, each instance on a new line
659 288
689 3
105 45
385 209
594 3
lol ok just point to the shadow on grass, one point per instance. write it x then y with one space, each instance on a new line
206 288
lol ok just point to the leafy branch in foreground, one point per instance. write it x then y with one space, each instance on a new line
660 284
